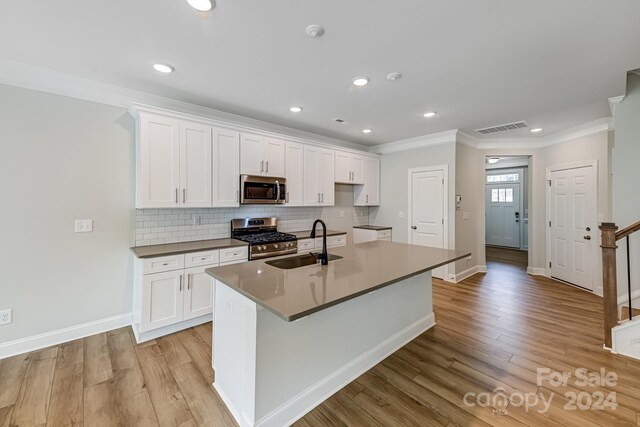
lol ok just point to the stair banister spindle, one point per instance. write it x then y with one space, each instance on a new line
609 279
629 280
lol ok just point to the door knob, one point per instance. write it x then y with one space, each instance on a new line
413 227
587 237
588 228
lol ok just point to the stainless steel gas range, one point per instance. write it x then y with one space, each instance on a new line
263 237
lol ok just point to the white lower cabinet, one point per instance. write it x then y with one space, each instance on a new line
307 245
361 235
169 297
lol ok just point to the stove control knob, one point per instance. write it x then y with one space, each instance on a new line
275 246
263 247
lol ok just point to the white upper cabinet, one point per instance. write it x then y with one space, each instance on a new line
262 155
319 169
226 168
369 193
195 165
158 147
349 168
294 161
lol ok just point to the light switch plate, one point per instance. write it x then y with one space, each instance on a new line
400 214
84 225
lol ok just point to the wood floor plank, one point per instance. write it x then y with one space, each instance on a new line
12 372
96 360
138 411
69 354
32 404
173 351
66 408
5 416
100 406
127 375
198 351
205 332
206 406
349 412
166 397
383 411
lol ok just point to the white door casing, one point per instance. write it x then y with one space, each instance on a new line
503 214
572 232
428 209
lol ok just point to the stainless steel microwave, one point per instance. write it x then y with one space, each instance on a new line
262 190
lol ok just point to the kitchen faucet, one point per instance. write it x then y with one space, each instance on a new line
322 256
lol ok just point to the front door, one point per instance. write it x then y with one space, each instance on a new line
503 214
427 211
573 225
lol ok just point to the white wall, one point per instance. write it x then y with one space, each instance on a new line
394 187
626 176
63 159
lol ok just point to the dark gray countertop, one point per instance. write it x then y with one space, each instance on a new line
185 247
364 268
373 227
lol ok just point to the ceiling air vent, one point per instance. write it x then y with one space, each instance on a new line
503 128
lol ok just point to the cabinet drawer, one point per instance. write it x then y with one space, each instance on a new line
333 241
198 259
234 254
165 263
306 245
383 234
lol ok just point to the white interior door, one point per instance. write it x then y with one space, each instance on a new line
427 211
503 215
573 224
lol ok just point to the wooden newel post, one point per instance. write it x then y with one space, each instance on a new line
609 279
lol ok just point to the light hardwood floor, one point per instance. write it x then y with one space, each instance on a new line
494 330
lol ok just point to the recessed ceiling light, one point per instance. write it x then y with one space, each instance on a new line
493 160
429 114
393 76
366 130
201 5
163 68
360 81
315 31
536 130
295 109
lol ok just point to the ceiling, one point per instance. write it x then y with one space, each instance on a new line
476 63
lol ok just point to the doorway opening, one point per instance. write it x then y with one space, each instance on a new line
507 190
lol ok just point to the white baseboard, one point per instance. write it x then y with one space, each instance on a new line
536 271
470 272
60 336
304 402
624 299
151 335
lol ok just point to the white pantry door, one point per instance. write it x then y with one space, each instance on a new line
427 211
503 215
573 225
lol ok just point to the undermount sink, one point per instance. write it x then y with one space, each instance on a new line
298 261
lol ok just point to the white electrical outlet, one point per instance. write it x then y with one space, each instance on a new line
341 214
197 220
400 214
84 225
5 317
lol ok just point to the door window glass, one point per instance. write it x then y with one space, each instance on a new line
507 177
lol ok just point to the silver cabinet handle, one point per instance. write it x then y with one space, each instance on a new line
318 197
287 198
176 195
277 188
322 199
367 198
262 166
267 168
180 288
188 281
184 195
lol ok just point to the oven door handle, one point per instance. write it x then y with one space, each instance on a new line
277 191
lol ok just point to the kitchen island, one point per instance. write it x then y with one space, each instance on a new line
285 340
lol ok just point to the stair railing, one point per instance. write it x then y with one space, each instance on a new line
610 235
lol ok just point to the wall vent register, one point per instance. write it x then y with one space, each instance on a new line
503 128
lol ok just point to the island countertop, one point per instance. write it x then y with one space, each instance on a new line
366 267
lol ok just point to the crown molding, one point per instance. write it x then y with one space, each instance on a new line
44 80
416 142
613 103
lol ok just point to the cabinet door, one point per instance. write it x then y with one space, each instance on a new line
312 175
357 169
198 294
343 167
327 183
294 172
195 165
158 162
274 158
251 154
162 299
372 181
226 168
